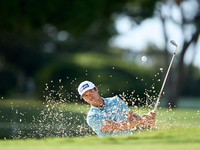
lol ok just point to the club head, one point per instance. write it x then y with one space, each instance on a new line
173 43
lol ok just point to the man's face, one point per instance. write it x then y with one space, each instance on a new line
92 97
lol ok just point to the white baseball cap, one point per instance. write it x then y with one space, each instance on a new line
84 86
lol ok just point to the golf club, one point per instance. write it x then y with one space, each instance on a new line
173 43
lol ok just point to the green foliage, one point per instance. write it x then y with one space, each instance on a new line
27 27
110 74
73 16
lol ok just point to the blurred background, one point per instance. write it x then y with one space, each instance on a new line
48 47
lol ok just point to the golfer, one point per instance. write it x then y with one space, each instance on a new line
111 116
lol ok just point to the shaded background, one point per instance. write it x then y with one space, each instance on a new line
47 47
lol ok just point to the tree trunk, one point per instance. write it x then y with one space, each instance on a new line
174 87
177 79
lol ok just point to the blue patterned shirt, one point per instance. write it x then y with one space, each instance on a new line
114 109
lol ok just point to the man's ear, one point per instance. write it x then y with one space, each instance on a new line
96 89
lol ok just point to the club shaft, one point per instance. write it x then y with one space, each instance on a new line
156 105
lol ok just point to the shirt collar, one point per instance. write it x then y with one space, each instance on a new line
99 108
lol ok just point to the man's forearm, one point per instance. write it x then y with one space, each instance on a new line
130 115
110 125
128 124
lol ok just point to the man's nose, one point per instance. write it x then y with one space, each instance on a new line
90 95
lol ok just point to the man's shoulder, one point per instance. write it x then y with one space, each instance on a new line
93 112
93 115
113 98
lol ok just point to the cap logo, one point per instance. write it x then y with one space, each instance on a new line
84 87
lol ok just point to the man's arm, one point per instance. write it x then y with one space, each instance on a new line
130 115
110 125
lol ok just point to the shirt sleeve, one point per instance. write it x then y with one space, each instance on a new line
95 122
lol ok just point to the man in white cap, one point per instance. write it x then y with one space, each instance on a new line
111 116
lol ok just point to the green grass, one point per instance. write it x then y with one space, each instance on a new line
174 129
184 139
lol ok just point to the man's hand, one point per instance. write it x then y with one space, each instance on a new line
149 119
131 115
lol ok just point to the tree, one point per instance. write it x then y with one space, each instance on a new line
189 19
90 24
